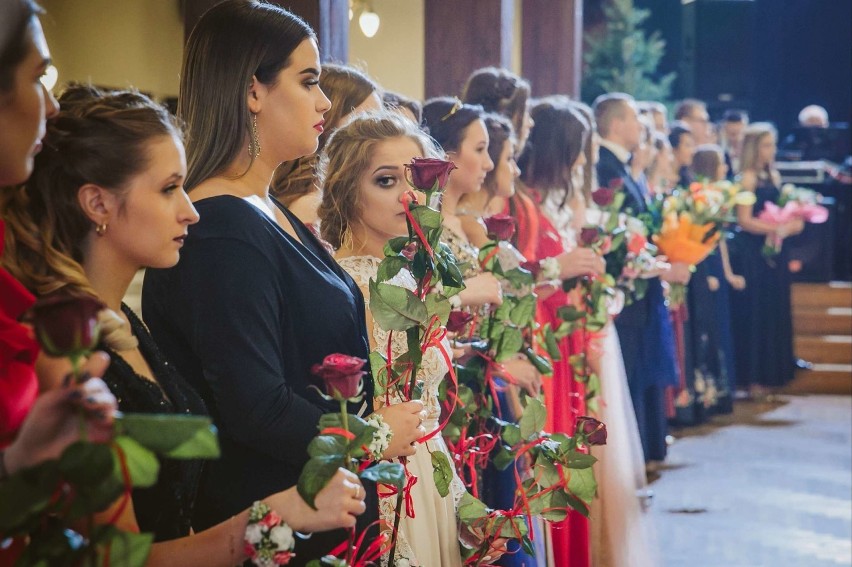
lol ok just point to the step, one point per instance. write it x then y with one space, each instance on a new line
833 294
822 321
833 379
825 349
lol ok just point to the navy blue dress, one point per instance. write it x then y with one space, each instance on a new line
644 331
761 313
244 315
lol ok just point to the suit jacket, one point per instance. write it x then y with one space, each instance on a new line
610 168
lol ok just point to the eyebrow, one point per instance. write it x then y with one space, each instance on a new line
174 177
389 167
309 71
45 63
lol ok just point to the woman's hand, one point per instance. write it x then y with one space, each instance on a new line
54 421
337 504
521 372
480 290
795 226
678 273
473 537
406 422
737 282
580 262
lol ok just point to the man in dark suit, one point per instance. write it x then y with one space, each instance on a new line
644 329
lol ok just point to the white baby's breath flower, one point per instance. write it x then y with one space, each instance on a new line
282 537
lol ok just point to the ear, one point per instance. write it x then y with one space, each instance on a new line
255 94
97 203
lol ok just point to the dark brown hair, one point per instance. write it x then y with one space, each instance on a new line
232 42
558 137
500 91
394 100
706 161
446 118
500 131
97 137
17 18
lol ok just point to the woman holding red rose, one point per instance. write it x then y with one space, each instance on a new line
32 430
256 300
363 173
88 242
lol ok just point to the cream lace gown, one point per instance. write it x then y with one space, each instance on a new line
430 538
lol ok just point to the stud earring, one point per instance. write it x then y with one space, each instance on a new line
100 229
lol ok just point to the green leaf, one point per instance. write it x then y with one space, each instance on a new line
511 434
533 419
541 364
484 252
385 473
570 313
317 473
86 463
126 549
551 344
582 484
26 494
503 459
577 460
442 472
471 509
395 245
165 434
511 344
437 305
327 445
426 217
395 308
519 277
389 267
378 366
522 314
141 463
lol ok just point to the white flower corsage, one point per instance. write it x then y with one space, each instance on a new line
381 437
550 269
268 540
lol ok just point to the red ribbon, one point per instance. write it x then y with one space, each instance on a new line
338 431
407 198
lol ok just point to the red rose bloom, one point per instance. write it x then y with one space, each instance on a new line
341 374
500 226
67 325
532 267
593 430
458 320
589 235
603 196
428 174
410 250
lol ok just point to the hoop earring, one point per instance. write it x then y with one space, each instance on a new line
254 144
101 229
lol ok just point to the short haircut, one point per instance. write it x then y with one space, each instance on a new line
609 106
733 115
677 131
687 106
393 100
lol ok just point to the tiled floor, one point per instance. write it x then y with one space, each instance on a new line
772 491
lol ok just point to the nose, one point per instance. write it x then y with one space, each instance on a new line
488 164
188 213
324 103
51 106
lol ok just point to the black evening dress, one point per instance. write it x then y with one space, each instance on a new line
244 315
164 509
761 313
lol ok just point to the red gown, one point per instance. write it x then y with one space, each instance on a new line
18 351
564 396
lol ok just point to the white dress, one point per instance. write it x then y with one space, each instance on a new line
622 532
430 538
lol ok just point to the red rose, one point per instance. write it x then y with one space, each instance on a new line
429 174
458 320
593 430
616 184
410 250
589 235
532 267
500 226
603 197
67 325
342 375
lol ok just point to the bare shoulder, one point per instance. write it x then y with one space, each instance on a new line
474 229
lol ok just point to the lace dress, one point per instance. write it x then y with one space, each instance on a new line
430 537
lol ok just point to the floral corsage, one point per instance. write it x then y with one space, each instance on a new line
381 436
269 541
550 269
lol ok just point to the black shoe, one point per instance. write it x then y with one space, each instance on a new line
803 364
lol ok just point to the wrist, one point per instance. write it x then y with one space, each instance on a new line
11 461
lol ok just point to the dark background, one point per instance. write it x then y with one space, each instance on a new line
773 57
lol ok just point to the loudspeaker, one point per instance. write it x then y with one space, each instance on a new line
718 62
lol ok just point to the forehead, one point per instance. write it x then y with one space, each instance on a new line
305 56
475 131
394 151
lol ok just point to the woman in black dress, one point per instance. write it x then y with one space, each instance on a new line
256 300
105 199
762 317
